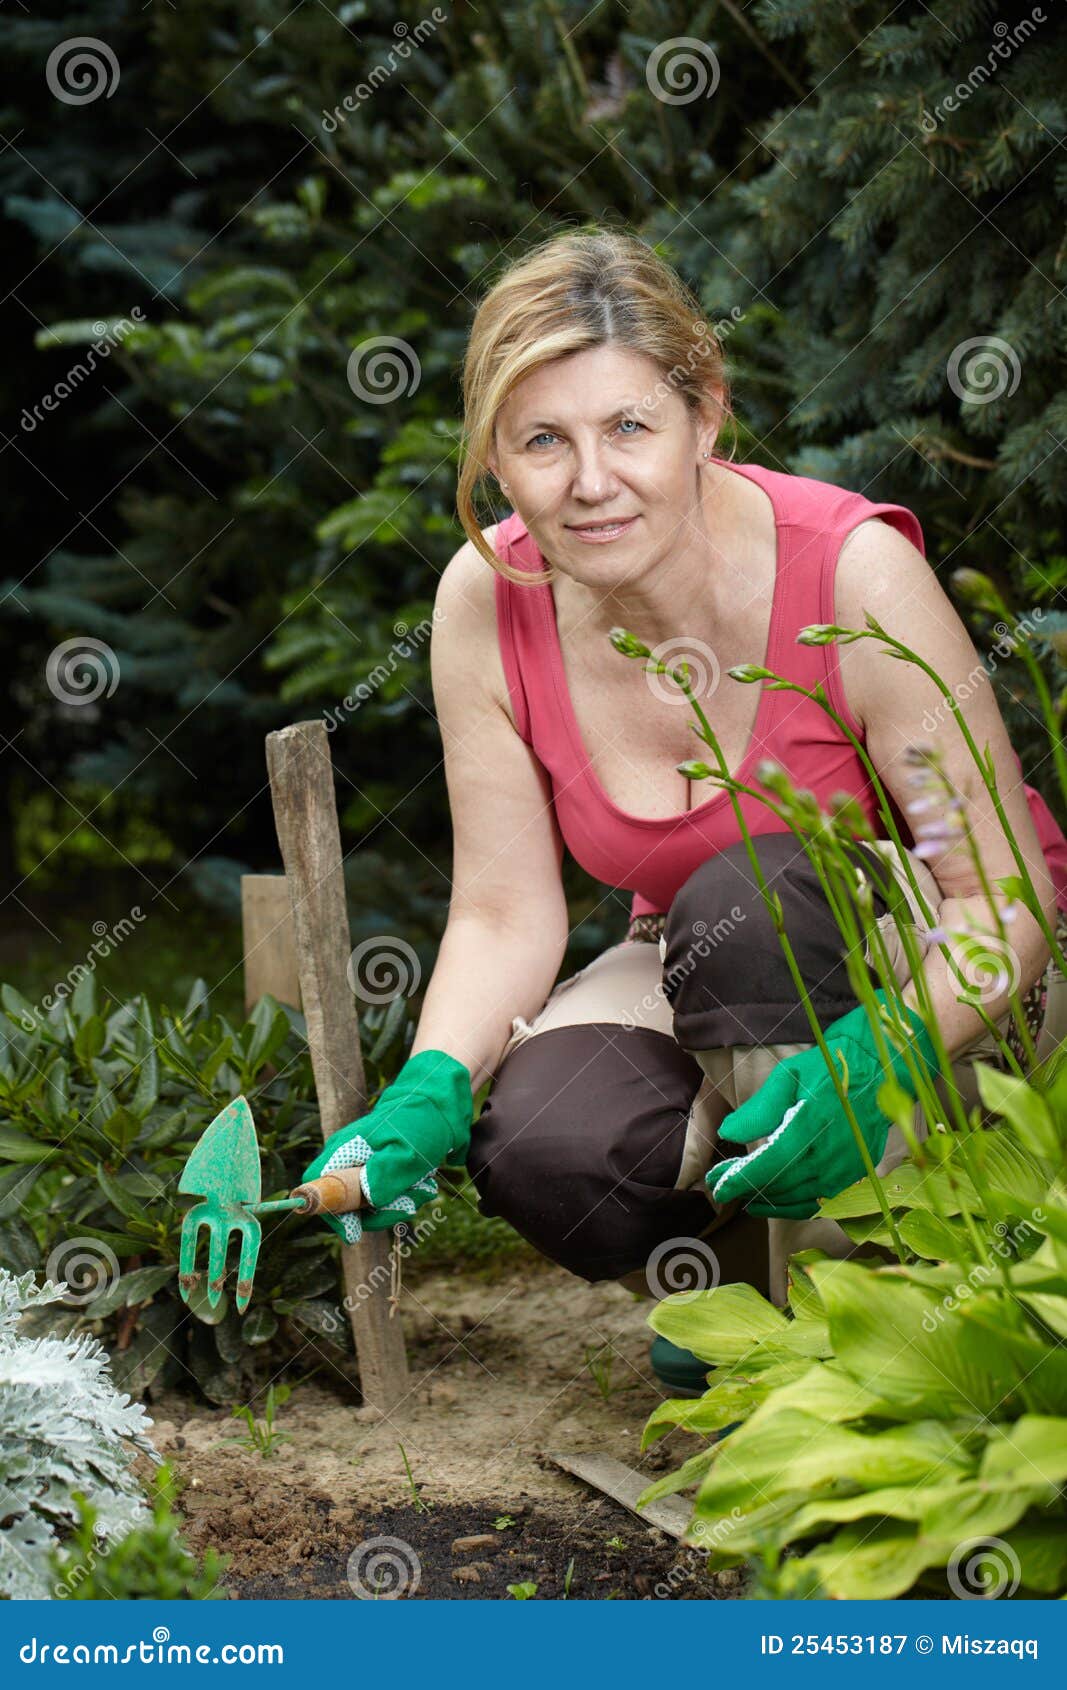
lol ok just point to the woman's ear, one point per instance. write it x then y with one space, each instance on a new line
710 422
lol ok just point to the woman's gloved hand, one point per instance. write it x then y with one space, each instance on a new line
811 1151
422 1119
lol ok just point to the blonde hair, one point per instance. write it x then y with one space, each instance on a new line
586 287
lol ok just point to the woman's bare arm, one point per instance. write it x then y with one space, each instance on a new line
882 572
507 921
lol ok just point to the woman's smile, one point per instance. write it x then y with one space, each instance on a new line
596 533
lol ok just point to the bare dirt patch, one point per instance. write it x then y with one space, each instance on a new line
502 1371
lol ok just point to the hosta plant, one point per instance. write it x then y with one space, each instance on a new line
903 1426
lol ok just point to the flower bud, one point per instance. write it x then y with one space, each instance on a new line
751 672
976 590
628 644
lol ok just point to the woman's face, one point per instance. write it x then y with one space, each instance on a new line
602 437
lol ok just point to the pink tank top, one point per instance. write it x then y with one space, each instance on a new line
654 856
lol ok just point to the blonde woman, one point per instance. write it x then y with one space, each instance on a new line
632 1104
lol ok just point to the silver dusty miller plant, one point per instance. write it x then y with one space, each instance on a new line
64 1428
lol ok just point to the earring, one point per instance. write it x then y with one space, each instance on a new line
504 485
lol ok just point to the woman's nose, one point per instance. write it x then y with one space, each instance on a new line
594 479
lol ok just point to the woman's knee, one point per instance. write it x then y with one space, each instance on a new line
725 972
580 1142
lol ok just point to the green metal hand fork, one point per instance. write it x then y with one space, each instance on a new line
224 1170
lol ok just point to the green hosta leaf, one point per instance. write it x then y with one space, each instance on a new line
921 1354
687 1474
1051 1309
928 1236
1010 1171
1036 1368
1040 1547
730 1397
831 1394
1025 1108
972 1510
783 1450
907 1187
862 1562
728 1323
804 1299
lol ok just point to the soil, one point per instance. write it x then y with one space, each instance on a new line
499 1376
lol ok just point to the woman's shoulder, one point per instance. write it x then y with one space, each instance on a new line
465 617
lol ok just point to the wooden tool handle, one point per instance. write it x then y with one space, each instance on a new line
332 1194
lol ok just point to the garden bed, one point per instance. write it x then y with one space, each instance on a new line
503 1370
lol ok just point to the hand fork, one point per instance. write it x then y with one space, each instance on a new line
224 1170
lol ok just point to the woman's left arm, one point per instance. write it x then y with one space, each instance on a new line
900 708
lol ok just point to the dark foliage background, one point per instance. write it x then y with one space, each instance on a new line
216 504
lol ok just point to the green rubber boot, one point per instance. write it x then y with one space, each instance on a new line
684 1374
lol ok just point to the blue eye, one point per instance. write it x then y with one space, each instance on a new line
547 435
633 420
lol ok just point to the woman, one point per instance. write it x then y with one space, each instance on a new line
624 1098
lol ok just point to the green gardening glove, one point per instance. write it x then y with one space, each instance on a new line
422 1119
811 1151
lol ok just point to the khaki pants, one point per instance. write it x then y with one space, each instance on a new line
599 1129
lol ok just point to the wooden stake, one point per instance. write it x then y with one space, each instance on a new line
305 814
269 940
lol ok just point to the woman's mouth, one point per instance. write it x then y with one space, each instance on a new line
601 531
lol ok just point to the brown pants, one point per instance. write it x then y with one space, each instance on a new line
604 1114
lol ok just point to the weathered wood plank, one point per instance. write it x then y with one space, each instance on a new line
305 813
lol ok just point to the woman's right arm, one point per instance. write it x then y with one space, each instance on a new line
507 922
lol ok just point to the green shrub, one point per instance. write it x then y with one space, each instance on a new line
151 1561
